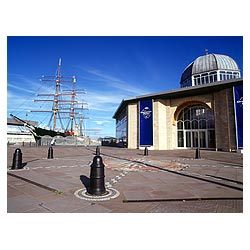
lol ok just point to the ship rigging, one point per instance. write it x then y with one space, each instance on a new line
65 106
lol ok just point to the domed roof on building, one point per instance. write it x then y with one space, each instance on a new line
209 62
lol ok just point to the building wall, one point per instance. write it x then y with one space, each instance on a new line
14 138
165 114
224 120
160 119
132 129
167 111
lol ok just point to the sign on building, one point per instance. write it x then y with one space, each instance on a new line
238 106
146 122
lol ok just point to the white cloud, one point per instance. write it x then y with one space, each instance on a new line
100 101
124 87
29 86
13 86
102 122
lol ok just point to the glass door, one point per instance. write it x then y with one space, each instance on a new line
188 139
195 127
195 139
202 139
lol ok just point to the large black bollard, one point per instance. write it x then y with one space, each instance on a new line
197 153
97 183
97 151
50 153
146 151
17 159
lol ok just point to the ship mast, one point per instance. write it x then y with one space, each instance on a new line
81 117
73 107
58 85
56 108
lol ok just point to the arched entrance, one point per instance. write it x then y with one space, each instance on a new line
195 127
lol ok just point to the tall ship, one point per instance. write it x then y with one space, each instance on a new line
66 115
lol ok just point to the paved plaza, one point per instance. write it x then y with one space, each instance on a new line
171 181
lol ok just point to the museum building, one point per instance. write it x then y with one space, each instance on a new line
206 112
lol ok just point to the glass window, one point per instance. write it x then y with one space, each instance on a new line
187 114
211 78
215 78
187 125
121 126
222 75
229 75
180 125
195 127
195 124
180 139
199 81
195 139
195 80
211 138
202 124
199 112
235 74
202 137
188 139
193 113
204 78
210 123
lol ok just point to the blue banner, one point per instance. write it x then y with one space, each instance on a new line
146 123
238 104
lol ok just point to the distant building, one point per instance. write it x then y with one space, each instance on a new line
17 133
206 112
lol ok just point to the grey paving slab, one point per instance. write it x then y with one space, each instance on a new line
93 208
21 203
184 207
13 191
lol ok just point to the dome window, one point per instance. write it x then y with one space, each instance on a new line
208 69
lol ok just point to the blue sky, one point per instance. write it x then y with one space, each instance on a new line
108 68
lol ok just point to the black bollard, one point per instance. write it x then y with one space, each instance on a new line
146 151
97 151
97 183
197 153
50 153
17 159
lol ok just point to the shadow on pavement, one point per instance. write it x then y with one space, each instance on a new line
85 181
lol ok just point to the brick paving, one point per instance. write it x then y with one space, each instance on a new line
163 182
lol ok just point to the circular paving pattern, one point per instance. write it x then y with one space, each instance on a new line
110 194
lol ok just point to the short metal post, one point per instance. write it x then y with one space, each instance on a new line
146 151
50 153
97 151
97 182
197 153
17 159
